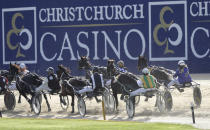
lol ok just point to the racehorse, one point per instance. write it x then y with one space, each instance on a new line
84 64
122 83
63 74
27 83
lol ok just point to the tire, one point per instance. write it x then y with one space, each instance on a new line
161 103
81 106
137 100
9 101
40 97
109 103
64 102
35 104
197 96
168 101
130 107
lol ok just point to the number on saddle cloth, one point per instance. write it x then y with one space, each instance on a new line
148 81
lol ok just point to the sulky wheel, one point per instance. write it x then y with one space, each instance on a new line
109 102
161 102
130 107
168 100
137 100
35 104
81 106
197 96
9 100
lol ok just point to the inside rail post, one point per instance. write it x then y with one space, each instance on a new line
103 110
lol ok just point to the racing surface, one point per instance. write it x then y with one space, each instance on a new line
145 111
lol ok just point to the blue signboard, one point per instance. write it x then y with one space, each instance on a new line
47 33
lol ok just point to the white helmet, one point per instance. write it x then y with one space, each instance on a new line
50 69
22 66
181 63
120 62
145 71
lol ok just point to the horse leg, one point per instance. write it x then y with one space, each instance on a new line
72 103
48 105
27 99
116 99
19 99
97 100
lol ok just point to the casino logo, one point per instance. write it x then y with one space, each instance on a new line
167 30
19 35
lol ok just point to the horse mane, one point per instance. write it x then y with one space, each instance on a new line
64 69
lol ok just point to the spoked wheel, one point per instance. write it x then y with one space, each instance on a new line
161 102
197 96
109 102
64 101
35 104
137 100
40 97
81 106
9 100
168 100
130 107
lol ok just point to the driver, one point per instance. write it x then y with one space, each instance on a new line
96 80
120 67
50 84
182 73
23 69
147 83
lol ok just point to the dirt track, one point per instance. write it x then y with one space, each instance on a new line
145 111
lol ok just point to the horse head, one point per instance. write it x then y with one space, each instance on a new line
14 69
111 69
142 62
84 63
62 70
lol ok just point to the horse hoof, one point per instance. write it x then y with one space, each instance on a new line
72 111
49 110
19 101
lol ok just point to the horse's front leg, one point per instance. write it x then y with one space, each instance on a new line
116 99
19 99
48 105
72 103
27 99
97 100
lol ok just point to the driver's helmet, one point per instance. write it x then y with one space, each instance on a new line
145 71
120 63
50 70
181 63
22 66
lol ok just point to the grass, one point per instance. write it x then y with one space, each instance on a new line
75 124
